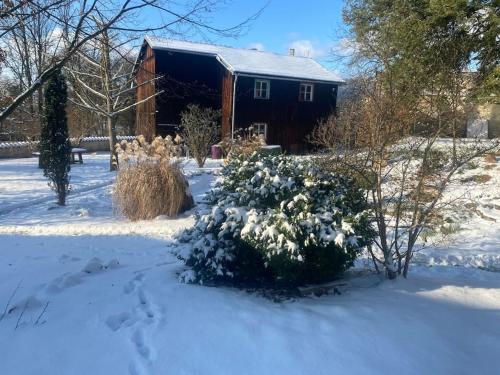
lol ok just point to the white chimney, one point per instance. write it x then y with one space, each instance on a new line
291 51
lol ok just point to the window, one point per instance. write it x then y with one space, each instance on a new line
306 92
261 90
260 128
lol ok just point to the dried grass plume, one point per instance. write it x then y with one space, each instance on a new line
149 183
146 190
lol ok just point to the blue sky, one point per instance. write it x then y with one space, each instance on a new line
313 28
284 22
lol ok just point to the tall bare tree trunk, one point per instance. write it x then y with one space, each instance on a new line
111 118
113 158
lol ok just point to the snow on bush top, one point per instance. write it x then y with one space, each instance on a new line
282 207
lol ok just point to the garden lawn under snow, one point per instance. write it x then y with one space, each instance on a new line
84 291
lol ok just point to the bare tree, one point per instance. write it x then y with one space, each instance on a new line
75 20
29 49
102 80
22 124
13 14
404 170
401 137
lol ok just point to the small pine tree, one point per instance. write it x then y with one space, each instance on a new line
55 147
43 145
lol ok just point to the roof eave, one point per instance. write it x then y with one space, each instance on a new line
288 78
212 54
139 55
228 66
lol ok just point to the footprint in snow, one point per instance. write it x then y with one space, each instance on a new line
141 345
132 284
65 258
95 265
115 322
143 300
144 319
136 369
63 282
68 280
147 308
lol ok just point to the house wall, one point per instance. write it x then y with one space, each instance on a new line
491 113
484 121
289 121
186 78
146 112
494 121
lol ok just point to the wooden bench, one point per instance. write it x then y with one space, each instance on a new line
74 151
79 152
37 154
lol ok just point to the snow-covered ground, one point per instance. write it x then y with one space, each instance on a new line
27 205
21 181
474 196
87 292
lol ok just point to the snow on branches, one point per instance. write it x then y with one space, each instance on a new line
277 219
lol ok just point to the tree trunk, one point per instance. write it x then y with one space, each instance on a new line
111 119
61 195
389 266
113 157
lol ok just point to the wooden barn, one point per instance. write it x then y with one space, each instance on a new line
282 96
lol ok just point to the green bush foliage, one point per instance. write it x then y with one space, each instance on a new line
277 220
55 147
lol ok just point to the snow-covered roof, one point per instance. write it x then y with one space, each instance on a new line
252 62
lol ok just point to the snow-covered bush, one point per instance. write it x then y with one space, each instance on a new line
278 220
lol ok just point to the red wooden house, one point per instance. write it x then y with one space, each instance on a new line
282 96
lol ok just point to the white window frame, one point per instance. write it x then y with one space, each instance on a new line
304 92
257 89
260 128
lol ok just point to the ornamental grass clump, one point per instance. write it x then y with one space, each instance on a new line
149 183
277 221
146 190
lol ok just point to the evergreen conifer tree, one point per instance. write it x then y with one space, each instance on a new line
55 147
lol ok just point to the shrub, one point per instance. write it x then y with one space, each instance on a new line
277 220
245 143
200 127
436 160
55 147
148 189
